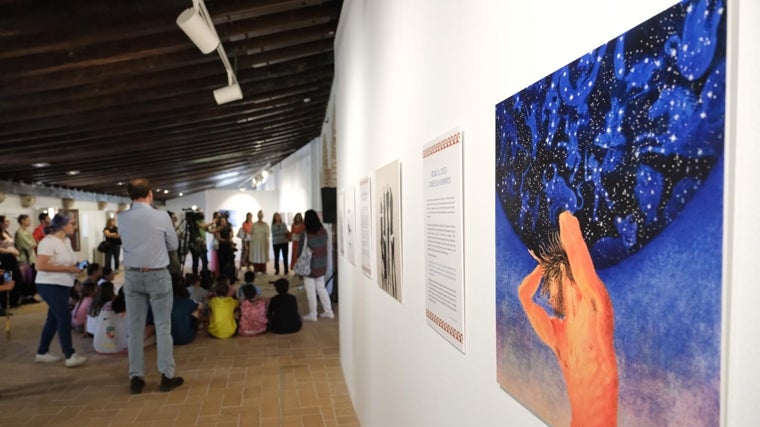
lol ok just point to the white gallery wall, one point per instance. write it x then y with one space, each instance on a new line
410 71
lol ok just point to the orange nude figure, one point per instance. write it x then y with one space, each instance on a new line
580 331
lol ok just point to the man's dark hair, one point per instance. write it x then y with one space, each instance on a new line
138 188
42 216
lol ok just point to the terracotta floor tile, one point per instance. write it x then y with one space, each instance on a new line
268 380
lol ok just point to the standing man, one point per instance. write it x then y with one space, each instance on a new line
39 232
147 236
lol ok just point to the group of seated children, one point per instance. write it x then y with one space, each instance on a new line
228 312
99 311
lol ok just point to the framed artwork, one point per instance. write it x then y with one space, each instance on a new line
609 221
388 239
365 222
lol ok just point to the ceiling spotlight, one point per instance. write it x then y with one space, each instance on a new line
193 23
40 164
228 94
72 173
264 174
307 100
166 191
196 23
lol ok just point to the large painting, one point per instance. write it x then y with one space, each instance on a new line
609 219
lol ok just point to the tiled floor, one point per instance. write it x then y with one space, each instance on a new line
270 380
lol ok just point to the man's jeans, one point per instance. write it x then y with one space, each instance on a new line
141 289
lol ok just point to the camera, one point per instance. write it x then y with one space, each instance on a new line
82 265
193 216
7 277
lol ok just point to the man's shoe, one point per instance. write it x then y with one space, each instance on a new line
46 358
136 385
327 315
169 384
75 360
310 318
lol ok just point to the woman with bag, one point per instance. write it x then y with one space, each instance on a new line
111 233
315 239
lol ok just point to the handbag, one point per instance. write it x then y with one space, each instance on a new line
303 264
104 246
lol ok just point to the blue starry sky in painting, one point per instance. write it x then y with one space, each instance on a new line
622 137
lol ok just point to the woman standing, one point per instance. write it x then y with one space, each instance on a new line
111 232
295 234
259 254
244 234
225 255
23 292
56 271
25 243
280 241
314 283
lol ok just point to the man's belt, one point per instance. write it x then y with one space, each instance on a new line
144 269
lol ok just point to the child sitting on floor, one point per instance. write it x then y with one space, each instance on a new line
111 330
223 309
253 312
185 313
248 278
283 310
79 313
103 295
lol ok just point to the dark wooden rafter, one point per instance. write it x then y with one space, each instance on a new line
114 89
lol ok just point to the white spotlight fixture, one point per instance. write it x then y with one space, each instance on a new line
228 93
196 23
196 28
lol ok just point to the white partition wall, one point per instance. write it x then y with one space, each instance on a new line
410 71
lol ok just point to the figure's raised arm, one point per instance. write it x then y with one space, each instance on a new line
536 314
578 256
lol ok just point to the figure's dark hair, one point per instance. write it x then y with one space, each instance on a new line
249 291
92 268
555 264
312 222
282 286
221 287
249 276
138 188
178 287
119 304
42 216
22 217
104 294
